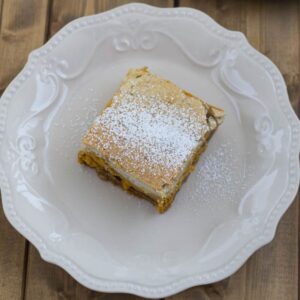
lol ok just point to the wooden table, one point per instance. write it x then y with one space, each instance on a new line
273 28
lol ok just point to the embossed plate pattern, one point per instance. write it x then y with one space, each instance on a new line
106 239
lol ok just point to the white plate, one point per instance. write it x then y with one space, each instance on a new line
106 239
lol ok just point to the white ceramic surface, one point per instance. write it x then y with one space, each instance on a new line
105 238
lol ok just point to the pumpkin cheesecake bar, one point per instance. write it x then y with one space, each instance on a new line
149 137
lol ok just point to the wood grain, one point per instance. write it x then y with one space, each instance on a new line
65 11
272 273
22 29
1 6
23 26
12 259
46 281
274 269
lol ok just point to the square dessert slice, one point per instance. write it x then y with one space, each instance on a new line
149 137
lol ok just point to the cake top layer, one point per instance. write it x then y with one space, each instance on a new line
150 129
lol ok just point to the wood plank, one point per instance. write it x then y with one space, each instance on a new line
271 273
1 5
44 280
22 29
12 260
47 281
229 13
65 11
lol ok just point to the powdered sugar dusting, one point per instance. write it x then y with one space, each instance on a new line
149 134
221 180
